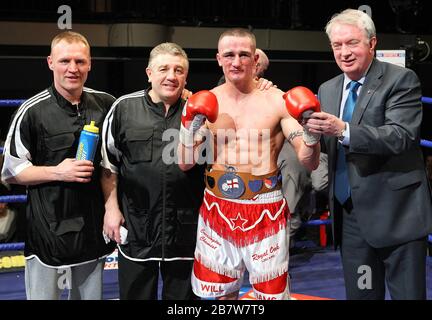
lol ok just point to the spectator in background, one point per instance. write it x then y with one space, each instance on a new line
7 215
64 248
262 64
12 216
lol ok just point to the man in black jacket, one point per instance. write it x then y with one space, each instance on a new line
64 244
146 193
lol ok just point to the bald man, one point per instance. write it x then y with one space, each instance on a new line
262 64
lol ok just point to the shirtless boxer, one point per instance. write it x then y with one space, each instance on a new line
243 218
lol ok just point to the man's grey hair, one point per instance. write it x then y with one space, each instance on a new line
355 18
167 48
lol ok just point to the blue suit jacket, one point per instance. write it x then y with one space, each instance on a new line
389 187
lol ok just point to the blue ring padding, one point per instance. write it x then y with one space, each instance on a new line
17 246
13 198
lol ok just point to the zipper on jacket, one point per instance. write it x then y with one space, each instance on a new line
163 198
78 110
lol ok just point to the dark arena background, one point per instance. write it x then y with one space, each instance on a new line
122 33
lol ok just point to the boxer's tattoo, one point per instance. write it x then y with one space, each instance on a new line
294 134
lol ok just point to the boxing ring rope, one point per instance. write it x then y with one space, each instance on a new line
426 100
13 198
322 222
17 246
13 103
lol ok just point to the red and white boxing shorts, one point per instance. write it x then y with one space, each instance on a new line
237 234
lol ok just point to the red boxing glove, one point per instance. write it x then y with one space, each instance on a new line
199 107
301 102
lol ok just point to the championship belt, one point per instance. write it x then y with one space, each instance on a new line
230 184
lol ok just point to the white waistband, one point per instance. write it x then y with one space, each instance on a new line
268 197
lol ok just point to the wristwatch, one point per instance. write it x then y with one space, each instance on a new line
341 134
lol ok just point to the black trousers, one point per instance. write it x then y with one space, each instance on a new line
367 270
139 280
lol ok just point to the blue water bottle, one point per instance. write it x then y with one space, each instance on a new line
88 142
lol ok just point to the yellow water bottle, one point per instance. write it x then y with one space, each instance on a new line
88 142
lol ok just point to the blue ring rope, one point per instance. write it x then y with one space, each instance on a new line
317 222
16 246
13 198
11 102
426 143
426 100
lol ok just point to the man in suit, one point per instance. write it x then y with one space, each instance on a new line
379 193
